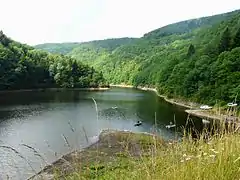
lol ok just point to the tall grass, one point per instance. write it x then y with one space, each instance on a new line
218 158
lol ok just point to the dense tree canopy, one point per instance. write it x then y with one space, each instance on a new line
225 41
236 40
22 67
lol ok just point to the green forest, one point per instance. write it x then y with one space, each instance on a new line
197 59
24 67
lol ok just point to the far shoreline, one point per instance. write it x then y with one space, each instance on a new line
192 108
190 105
55 89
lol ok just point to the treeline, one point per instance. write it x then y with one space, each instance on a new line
57 48
23 67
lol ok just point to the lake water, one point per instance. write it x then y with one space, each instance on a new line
55 123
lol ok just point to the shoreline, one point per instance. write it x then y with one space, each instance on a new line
53 89
206 114
106 143
189 105
192 108
171 101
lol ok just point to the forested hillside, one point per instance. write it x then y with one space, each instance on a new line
58 48
98 49
189 25
200 62
79 49
23 67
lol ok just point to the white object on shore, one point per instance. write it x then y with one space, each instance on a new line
204 121
232 104
115 107
205 107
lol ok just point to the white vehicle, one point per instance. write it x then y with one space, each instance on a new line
232 104
205 107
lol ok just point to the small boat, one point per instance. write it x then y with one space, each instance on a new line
205 107
114 107
138 123
232 104
171 125
204 121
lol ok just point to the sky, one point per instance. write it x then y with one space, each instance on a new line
44 21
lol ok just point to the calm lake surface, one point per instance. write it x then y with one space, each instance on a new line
50 122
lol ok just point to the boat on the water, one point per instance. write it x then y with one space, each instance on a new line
138 123
171 125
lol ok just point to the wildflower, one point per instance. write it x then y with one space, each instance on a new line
204 154
184 155
182 161
188 158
